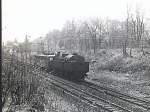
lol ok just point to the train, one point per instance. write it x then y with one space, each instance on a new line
65 65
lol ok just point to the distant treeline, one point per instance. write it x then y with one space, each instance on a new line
96 33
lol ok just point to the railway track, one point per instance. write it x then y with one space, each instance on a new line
93 99
135 107
109 91
96 100
81 94
138 105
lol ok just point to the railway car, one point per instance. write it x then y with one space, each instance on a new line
43 61
69 66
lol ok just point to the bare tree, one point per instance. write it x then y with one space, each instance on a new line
125 40
136 29
96 30
83 37
92 27
139 28
69 34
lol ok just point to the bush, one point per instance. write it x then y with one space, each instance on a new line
38 106
125 65
147 72
112 65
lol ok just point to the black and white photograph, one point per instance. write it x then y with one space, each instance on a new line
75 56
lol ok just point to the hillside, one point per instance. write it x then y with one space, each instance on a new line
127 74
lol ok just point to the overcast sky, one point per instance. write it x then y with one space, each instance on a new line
38 17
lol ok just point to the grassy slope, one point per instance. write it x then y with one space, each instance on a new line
130 74
113 60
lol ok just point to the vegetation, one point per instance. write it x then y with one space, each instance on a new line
97 39
90 35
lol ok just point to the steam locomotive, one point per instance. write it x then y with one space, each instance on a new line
69 66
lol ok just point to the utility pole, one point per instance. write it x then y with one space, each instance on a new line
42 45
3 48
48 41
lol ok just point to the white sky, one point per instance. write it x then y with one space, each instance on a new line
38 17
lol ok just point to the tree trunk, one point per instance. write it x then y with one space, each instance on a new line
130 52
124 48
